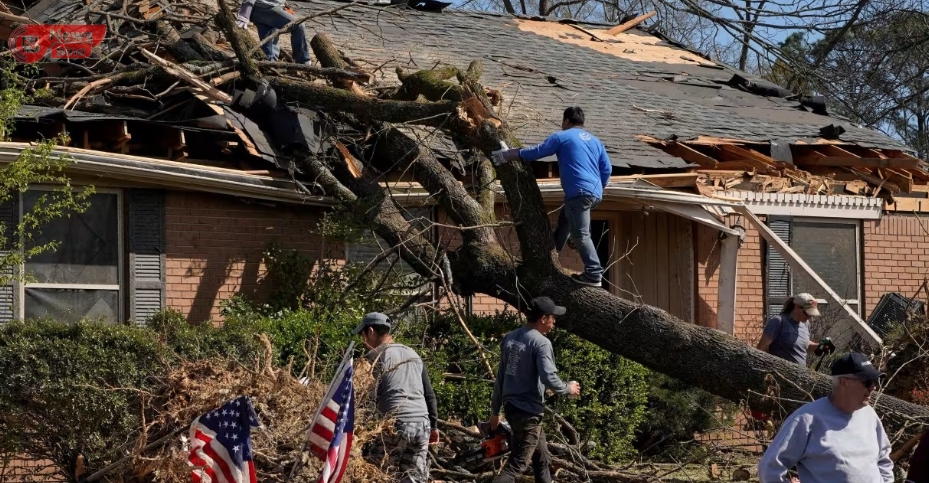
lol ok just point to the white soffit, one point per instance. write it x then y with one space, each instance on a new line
816 206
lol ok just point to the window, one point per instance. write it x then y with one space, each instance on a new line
83 276
832 249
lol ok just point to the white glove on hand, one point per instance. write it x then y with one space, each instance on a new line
496 157
242 18
503 156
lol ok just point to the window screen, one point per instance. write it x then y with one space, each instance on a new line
831 250
81 277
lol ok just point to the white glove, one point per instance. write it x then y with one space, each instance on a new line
503 156
242 18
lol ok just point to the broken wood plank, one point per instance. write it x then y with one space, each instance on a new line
904 181
879 183
907 204
690 155
630 24
856 162
676 180
592 35
856 187
749 153
190 77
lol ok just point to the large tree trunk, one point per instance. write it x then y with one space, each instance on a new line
699 356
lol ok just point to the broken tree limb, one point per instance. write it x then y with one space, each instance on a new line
315 96
331 73
179 48
188 77
329 56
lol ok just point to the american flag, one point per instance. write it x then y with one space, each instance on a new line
221 447
330 436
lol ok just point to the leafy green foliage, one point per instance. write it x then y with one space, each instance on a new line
675 412
74 389
35 165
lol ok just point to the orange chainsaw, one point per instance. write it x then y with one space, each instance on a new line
494 445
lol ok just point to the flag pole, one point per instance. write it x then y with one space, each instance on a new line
332 388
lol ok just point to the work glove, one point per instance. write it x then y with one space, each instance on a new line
825 347
244 16
503 156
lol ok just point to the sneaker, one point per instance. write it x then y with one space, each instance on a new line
577 277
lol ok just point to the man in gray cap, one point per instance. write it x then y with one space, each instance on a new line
403 391
835 439
527 368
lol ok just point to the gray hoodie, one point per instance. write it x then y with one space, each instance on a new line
527 367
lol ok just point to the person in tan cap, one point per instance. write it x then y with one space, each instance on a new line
787 335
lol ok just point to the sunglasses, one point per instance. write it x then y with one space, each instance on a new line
867 384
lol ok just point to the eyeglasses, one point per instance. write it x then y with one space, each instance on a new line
867 384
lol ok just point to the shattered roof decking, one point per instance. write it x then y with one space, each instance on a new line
540 76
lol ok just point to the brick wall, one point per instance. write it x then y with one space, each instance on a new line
749 309
215 244
896 257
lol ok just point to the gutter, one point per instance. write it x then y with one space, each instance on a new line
172 174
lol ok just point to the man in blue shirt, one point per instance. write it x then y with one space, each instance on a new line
585 170
269 15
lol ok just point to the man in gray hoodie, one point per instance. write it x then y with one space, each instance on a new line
268 16
527 368
403 391
835 439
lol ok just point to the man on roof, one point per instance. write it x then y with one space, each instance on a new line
585 170
268 16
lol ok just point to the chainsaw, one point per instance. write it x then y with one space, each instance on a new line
495 444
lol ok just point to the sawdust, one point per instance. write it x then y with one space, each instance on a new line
631 45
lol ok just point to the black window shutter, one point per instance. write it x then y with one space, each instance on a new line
777 272
146 224
9 216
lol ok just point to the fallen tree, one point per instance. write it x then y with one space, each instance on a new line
467 111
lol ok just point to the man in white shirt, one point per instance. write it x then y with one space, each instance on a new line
835 439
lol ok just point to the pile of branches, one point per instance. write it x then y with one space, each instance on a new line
285 405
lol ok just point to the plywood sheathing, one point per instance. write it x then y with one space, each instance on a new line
630 45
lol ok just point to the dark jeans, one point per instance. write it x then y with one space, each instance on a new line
267 19
574 220
528 444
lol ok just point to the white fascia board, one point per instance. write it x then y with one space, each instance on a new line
813 206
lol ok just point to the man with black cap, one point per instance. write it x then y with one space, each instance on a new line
404 392
835 439
527 368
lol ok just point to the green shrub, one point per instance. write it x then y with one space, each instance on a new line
74 389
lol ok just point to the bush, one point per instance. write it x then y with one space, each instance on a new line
74 390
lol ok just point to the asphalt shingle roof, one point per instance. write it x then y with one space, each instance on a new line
539 76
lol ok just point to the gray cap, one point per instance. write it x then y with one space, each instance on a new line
372 319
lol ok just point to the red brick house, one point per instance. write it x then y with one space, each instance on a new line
183 212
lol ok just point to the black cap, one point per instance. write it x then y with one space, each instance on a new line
856 364
372 319
540 306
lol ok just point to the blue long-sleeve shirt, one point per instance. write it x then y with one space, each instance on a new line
527 368
829 446
582 161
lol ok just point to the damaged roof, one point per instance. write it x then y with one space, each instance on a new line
631 84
